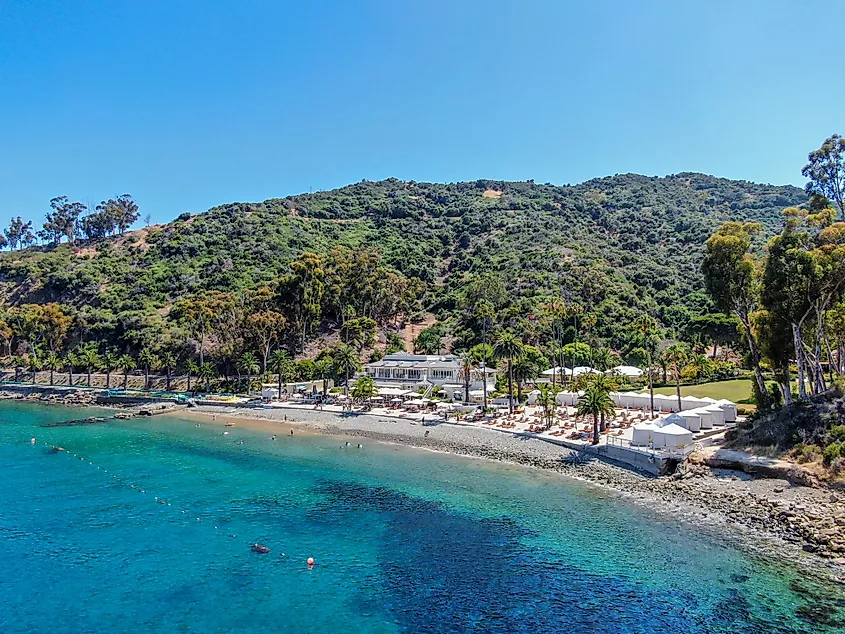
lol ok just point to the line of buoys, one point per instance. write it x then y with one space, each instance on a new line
162 501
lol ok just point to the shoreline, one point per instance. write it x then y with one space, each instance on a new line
761 516
757 515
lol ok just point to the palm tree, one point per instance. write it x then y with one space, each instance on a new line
127 364
484 312
596 402
677 356
90 359
109 362
191 367
207 372
18 362
34 366
467 371
346 361
602 382
646 328
279 362
71 360
167 360
248 364
364 388
323 369
547 399
52 361
524 370
509 347
147 359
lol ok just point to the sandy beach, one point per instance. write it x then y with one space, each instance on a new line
773 516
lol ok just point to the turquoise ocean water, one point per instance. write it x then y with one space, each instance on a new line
148 527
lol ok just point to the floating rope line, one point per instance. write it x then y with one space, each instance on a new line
55 449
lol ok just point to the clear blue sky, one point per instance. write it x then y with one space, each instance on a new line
186 105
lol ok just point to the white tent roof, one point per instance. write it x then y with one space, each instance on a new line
556 370
674 430
646 425
672 419
626 370
416 401
578 370
390 391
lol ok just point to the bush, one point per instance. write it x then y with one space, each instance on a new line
832 452
808 453
837 433
837 466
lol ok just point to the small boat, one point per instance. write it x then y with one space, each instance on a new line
260 549
230 424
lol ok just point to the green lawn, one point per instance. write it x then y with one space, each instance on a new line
737 390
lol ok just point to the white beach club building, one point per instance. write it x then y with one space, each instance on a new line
410 372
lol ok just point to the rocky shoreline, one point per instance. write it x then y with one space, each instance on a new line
770 516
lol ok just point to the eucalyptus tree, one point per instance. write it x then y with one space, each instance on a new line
825 170
731 281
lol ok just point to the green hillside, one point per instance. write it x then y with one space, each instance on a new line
618 246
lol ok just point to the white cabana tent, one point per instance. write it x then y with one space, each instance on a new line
578 370
729 408
692 420
626 370
643 433
555 371
640 400
706 417
269 392
662 402
532 397
567 398
718 414
672 435
692 402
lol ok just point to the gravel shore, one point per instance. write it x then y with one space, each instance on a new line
764 515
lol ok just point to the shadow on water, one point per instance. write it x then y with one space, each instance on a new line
445 571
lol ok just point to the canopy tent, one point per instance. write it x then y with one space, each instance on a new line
269 392
376 398
692 402
692 420
729 408
391 391
396 399
568 398
664 402
578 370
672 435
622 399
671 419
626 370
706 417
416 401
642 401
718 414
643 433
555 371
532 397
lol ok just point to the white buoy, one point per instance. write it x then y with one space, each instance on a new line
32 441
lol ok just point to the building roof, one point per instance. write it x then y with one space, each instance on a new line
404 360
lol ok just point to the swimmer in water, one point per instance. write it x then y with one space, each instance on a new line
291 431
347 443
273 437
360 446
